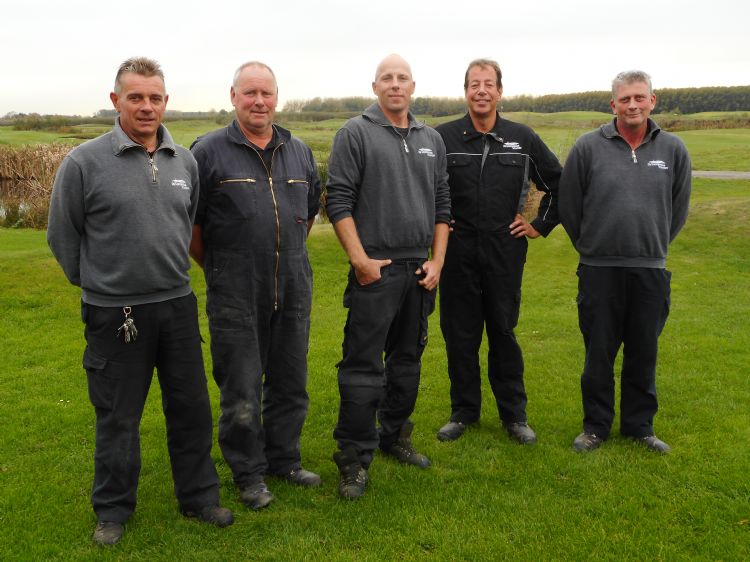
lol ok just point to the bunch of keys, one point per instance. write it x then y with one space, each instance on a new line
128 327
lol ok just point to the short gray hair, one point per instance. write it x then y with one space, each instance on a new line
259 64
137 65
630 76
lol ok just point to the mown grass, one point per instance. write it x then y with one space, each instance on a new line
484 498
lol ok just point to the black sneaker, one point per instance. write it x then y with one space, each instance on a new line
451 431
257 496
586 442
520 432
107 533
653 443
353 476
212 514
301 477
403 451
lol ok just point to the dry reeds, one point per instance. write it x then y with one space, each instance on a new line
26 177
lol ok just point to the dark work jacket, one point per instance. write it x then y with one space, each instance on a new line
245 206
488 175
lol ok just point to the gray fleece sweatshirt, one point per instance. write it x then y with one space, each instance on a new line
623 207
394 186
120 222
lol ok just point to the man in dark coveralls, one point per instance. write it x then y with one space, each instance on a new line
490 162
260 194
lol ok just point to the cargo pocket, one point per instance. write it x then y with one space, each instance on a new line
101 386
510 308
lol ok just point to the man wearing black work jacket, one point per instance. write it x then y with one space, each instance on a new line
490 163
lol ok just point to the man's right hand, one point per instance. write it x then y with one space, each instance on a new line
369 271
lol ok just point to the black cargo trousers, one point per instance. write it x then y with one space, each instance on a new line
388 317
119 376
621 307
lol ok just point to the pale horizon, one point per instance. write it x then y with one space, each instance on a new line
61 58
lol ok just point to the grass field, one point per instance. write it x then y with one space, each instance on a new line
485 498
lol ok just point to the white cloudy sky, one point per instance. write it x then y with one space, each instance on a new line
61 56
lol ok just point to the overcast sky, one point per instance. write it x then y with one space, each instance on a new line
61 56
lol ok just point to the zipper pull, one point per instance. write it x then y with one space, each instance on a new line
632 152
406 147
154 169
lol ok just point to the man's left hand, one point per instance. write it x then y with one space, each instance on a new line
431 271
521 227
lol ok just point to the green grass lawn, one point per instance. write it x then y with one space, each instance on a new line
485 498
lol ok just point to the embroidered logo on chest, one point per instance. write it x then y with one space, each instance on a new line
182 184
659 164
513 145
427 152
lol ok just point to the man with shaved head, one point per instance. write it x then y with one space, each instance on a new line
260 196
388 201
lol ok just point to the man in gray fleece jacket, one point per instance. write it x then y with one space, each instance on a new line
388 200
120 222
624 196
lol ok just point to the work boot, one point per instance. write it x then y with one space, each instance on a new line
107 533
451 431
256 496
520 432
212 514
403 451
586 442
653 443
301 477
353 476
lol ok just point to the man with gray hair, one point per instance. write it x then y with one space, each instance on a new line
260 194
624 196
120 222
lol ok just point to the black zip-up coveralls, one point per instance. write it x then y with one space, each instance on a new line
480 284
259 292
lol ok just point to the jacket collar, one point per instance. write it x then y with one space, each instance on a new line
122 142
376 115
236 135
470 133
609 130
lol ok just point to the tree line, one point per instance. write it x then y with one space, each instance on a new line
669 100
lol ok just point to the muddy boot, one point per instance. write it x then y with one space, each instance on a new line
353 475
403 451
